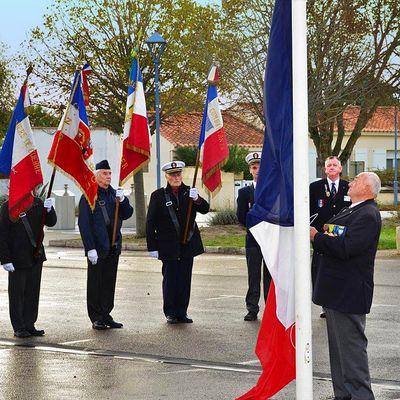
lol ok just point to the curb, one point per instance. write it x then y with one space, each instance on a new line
77 243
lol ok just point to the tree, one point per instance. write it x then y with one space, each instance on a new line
353 59
106 31
38 116
7 98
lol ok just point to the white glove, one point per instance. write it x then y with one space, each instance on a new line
48 203
194 193
120 194
92 256
9 267
153 254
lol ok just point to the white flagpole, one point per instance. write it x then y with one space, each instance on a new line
304 383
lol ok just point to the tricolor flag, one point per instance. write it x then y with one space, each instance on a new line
213 146
86 71
71 151
271 220
19 158
136 136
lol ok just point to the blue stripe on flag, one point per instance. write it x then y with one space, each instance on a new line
206 124
274 190
6 153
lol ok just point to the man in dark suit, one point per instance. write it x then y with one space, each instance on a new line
254 256
328 197
166 221
21 256
344 285
96 229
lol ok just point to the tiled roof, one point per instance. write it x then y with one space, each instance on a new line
382 120
184 130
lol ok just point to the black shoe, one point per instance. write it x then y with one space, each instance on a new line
113 324
36 332
99 325
250 316
185 320
22 333
172 320
323 315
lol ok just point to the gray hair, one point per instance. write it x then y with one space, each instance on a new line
373 182
332 158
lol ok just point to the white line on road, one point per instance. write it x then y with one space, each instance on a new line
183 371
226 296
77 341
251 362
384 305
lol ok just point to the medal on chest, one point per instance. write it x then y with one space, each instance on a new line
327 192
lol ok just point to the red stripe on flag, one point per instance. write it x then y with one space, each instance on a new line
135 148
66 155
276 351
215 154
24 177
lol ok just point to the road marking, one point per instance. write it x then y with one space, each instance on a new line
226 296
192 364
182 371
251 362
384 305
77 341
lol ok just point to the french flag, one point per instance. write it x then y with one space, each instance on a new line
72 152
213 146
136 136
271 220
19 158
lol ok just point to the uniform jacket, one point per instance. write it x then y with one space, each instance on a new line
245 202
15 245
92 225
161 233
345 277
324 204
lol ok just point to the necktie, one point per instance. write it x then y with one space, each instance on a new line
333 189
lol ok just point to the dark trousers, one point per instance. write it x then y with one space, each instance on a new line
101 281
348 355
23 295
255 262
177 279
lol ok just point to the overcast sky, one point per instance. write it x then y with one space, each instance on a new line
19 16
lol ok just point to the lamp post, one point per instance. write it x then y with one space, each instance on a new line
156 44
395 183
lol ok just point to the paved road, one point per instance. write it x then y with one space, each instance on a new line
148 359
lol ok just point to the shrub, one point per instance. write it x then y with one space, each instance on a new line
224 217
386 176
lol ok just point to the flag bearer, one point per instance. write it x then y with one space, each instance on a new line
166 220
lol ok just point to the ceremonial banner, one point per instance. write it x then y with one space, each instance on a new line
271 219
136 136
71 151
19 158
213 146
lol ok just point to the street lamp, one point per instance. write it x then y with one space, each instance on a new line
395 183
156 44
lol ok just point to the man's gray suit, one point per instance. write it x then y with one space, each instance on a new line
344 286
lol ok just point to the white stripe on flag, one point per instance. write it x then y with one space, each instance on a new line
23 141
71 124
215 117
277 246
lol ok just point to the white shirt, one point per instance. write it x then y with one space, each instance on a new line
356 204
335 182
254 184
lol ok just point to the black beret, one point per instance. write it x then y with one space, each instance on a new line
103 165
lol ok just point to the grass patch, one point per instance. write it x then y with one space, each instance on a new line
387 239
234 235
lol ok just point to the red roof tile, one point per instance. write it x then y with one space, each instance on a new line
381 121
184 130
